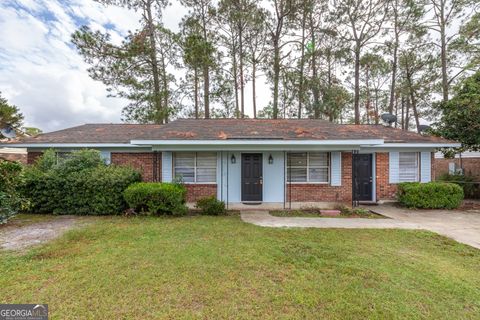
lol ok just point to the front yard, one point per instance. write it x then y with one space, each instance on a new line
220 267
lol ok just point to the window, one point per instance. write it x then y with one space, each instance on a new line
195 167
408 167
308 167
62 156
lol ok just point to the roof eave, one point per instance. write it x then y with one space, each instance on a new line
419 144
68 145
266 142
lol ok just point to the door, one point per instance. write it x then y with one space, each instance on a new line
252 177
362 177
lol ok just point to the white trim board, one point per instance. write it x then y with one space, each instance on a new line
70 145
259 142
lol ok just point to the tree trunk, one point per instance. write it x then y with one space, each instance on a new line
413 100
315 89
414 108
165 93
443 58
367 102
242 89
254 89
235 81
407 114
206 72
195 80
394 76
153 57
302 64
356 103
276 78
394 63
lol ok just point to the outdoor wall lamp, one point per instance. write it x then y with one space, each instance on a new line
233 159
270 160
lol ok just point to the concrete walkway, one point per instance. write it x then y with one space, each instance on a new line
462 226
264 219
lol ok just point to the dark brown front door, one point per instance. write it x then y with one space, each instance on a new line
362 177
252 177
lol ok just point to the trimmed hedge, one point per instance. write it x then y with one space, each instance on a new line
432 195
81 185
157 198
211 206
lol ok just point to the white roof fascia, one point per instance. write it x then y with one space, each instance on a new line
69 145
417 145
259 142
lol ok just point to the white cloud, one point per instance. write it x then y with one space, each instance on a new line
41 72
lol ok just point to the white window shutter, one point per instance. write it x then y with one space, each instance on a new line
336 169
425 167
393 163
166 166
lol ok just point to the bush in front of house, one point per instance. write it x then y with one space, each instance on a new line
81 184
432 195
11 200
157 198
211 206
470 189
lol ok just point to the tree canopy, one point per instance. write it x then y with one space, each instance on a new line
460 116
9 115
342 60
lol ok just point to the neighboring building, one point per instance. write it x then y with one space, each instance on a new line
13 154
466 162
271 163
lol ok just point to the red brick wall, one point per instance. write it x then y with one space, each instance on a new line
385 190
198 191
325 192
142 161
33 156
470 165
21 157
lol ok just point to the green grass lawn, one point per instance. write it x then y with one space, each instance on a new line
220 267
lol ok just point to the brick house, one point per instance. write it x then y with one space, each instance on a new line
260 163
467 162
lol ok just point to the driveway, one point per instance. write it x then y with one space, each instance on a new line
462 226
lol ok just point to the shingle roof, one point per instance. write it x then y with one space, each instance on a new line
285 129
223 129
95 133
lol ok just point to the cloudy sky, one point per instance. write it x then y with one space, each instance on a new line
40 70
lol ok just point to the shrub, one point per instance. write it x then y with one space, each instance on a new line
432 195
81 184
470 190
10 199
211 206
157 198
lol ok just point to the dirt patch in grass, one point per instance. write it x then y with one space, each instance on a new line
316 213
470 205
25 231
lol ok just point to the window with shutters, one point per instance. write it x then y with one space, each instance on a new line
308 167
408 167
195 167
